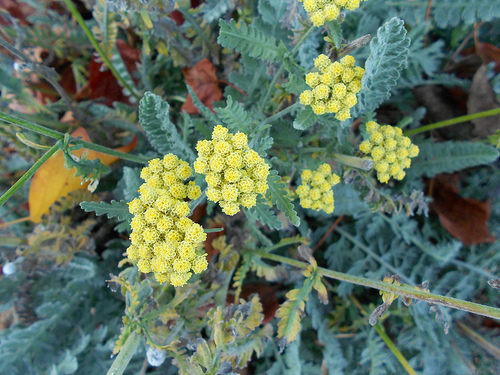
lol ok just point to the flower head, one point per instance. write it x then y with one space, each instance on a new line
163 238
321 11
334 89
389 149
315 192
235 174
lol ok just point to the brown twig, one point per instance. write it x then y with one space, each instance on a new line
427 17
461 46
332 228
233 86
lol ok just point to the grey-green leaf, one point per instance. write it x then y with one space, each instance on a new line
448 157
279 197
162 133
388 57
250 41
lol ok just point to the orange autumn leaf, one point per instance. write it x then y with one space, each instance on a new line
204 83
53 181
464 218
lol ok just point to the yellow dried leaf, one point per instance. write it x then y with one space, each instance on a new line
53 181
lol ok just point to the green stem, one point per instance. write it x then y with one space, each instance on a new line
365 164
369 252
402 290
280 114
282 67
121 362
98 48
453 121
13 241
60 136
25 177
193 23
394 350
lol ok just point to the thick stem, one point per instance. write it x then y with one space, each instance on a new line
453 121
25 177
98 48
405 291
60 136
121 362
365 164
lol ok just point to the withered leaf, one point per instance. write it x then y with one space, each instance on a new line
204 83
464 218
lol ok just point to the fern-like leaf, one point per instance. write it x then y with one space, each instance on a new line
389 53
305 119
112 209
107 29
250 41
448 157
263 212
214 9
449 13
119 64
204 110
279 197
234 116
290 314
161 132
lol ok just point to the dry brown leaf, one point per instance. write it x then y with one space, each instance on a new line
464 218
53 181
482 97
204 83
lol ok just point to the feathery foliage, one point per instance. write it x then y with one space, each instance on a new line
448 157
154 114
388 57
250 40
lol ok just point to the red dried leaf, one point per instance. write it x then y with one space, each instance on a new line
204 83
104 84
464 218
489 53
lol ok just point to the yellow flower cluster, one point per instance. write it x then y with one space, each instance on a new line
389 149
164 239
321 11
235 174
334 89
316 189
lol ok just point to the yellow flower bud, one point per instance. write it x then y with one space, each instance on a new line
170 161
240 141
322 61
312 79
179 279
199 264
306 97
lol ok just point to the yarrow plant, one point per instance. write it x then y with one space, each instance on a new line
243 207
389 149
235 174
315 192
334 89
321 11
163 239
